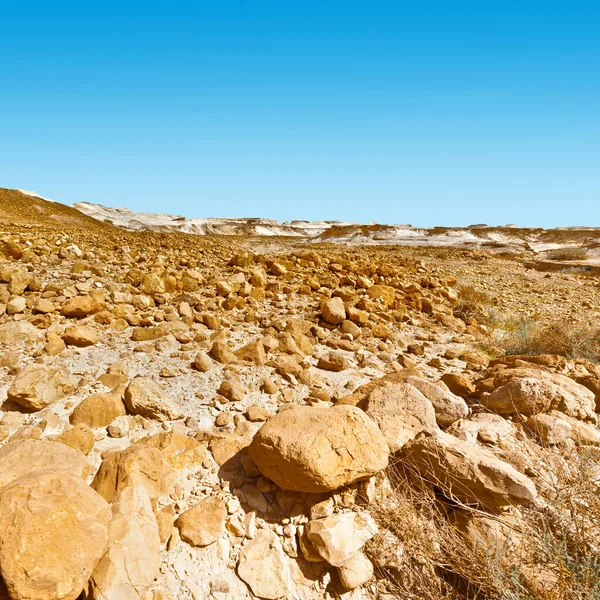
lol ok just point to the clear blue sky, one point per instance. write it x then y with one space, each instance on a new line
422 112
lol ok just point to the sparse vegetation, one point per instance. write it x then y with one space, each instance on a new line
472 304
524 336
549 554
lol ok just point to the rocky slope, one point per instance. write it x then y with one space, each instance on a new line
188 417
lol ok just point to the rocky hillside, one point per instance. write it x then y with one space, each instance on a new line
29 209
197 420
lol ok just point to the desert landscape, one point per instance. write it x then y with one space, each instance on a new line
241 408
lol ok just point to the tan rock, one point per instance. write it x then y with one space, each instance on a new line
204 523
179 451
551 429
18 332
55 346
530 391
333 361
202 362
264 567
226 446
81 336
20 457
334 311
43 306
339 537
80 306
37 386
147 398
384 293
132 560
53 532
340 445
80 437
459 384
400 410
232 389
98 410
465 472
356 571
136 465
222 353
253 352
448 407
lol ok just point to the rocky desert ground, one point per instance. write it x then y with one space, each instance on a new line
265 416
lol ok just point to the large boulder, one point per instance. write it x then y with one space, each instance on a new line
20 457
448 407
136 465
37 386
467 473
98 410
313 449
53 532
400 410
147 398
529 391
132 560
178 450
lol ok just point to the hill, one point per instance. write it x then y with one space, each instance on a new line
26 208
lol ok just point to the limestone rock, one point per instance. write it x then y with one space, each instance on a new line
356 571
53 532
81 336
204 523
20 457
448 407
338 446
132 559
202 362
465 472
146 398
400 410
333 361
264 567
177 450
98 410
80 437
80 306
334 311
531 391
37 386
18 332
339 537
136 465
222 353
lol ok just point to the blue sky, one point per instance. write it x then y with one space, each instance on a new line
431 113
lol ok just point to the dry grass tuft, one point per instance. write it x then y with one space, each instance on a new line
472 304
421 554
573 341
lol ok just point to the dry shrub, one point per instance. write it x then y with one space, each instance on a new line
560 548
575 340
571 253
472 304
